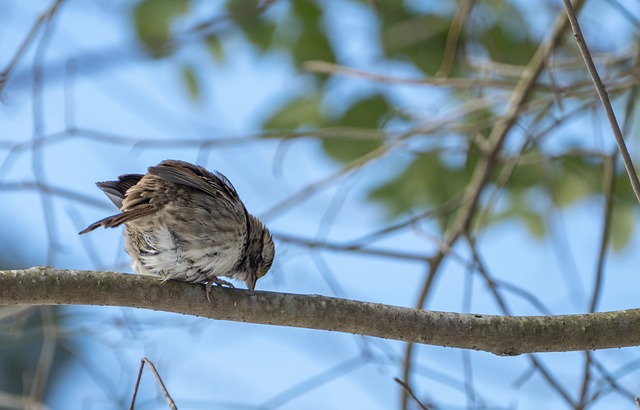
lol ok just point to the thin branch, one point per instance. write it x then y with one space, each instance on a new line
37 155
165 392
312 188
608 182
304 386
410 392
552 381
45 360
608 384
451 47
314 244
54 191
407 363
15 401
323 67
136 386
100 376
586 379
604 98
441 210
44 17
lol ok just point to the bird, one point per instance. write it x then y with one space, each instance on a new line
185 223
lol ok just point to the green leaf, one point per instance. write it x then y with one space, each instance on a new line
299 112
505 34
507 47
152 20
242 10
535 223
575 178
308 11
191 82
258 30
312 42
622 187
260 33
312 45
622 224
569 188
368 113
420 39
215 47
346 149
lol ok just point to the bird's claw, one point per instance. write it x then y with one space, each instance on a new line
218 282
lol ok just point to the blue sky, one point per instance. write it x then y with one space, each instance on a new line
215 364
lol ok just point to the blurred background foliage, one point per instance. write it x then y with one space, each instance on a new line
436 41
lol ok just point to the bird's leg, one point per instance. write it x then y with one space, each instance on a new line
211 280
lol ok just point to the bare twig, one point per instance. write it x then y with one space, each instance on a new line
552 381
96 372
434 266
410 392
604 98
14 401
165 392
451 47
44 17
310 189
608 182
612 382
38 114
55 191
586 379
314 244
457 83
45 361
443 209
313 382
136 386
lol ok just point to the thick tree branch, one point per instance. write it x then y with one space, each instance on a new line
501 335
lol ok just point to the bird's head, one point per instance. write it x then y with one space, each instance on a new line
260 252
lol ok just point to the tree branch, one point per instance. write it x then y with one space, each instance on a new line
604 98
501 335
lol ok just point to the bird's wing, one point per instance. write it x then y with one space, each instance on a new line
184 173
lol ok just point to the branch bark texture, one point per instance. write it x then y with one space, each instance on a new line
501 335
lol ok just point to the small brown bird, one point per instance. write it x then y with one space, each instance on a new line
183 222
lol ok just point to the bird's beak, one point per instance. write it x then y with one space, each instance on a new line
251 282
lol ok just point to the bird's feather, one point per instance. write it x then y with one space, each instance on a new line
116 190
193 176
